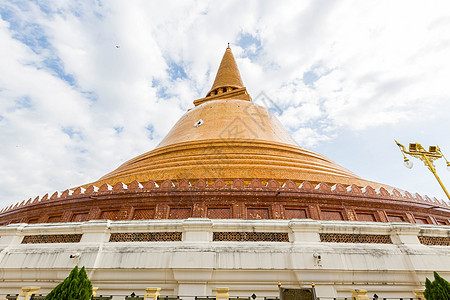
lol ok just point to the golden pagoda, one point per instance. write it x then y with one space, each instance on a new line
227 136
236 150
228 205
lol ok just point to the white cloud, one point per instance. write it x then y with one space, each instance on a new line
73 106
308 137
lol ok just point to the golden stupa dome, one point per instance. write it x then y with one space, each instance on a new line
227 136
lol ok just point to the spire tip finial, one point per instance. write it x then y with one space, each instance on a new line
228 46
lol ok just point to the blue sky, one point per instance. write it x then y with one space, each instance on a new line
88 85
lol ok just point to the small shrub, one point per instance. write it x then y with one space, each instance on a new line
76 286
439 289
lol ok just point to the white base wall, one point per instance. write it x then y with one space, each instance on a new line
197 265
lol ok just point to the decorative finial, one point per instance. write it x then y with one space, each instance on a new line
228 45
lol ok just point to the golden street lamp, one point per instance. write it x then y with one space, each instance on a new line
427 157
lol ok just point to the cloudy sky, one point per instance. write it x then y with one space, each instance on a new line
87 85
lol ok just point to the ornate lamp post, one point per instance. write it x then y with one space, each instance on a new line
427 157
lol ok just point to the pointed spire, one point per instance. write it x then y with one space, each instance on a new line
228 76
228 83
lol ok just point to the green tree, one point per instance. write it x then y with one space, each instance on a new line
85 287
76 286
439 289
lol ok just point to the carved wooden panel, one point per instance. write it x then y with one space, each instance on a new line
250 237
435 240
219 213
442 222
396 218
367 217
109 215
257 213
51 238
146 237
54 219
295 213
421 220
179 213
331 215
355 238
143 214
33 221
80 217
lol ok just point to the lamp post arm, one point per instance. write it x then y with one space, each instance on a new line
402 148
433 170
440 152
